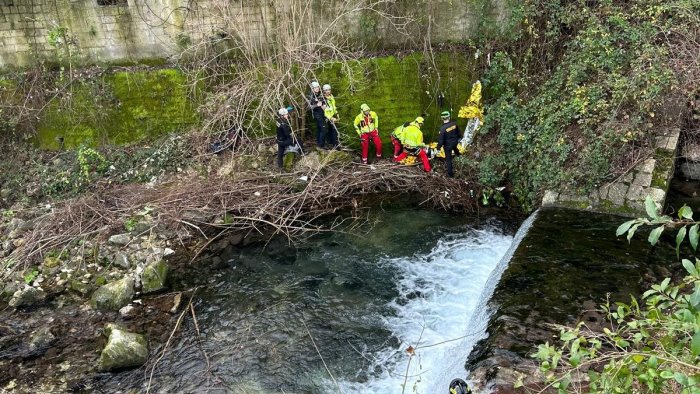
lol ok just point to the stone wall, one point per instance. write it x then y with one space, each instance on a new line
96 31
625 196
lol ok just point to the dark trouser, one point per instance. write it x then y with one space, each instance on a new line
281 146
320 128
450 147
332 132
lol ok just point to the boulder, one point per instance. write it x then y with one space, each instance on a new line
27 297
123 350
114 295
122 260
154 277
40 339
120 239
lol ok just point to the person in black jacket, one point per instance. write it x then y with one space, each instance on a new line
284 136
317 103
449 139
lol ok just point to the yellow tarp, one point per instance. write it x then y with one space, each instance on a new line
441 154
473 109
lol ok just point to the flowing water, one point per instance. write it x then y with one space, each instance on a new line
338 313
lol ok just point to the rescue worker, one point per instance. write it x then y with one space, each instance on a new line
459 386
396 137
317 103
449 139
366 125
331 116
284 136
413 143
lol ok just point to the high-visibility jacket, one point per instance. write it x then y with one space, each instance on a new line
366 123
331 110
412 136
398 132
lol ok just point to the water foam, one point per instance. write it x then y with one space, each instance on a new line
440 293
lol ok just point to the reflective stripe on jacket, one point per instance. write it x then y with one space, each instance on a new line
366 123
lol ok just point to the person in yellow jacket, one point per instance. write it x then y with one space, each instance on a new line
367 127
330 111
412 142
396 137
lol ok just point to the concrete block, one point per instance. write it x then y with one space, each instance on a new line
617 193
628 177
603 191
635 192
647 166
642 179
550 198
673 140
657 195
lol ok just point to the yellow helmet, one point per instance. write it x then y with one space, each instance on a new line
420 120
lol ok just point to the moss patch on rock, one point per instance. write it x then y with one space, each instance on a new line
154 277
123 350
114 295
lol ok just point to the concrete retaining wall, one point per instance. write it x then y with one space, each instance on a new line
625 196
94 31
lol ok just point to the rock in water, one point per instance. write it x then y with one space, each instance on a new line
114 295
27 297
154 276
123 350
41 338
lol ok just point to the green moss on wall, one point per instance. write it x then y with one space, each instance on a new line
118 108
399 90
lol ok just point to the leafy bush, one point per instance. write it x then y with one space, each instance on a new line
651 346
582 80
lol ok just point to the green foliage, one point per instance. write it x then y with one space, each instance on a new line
688 228
91 163
653 347
30 276
579 81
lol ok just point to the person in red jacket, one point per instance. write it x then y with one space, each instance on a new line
367 127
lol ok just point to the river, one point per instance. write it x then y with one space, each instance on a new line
337 313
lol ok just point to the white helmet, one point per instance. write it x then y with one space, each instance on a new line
326 87
283 111
315 85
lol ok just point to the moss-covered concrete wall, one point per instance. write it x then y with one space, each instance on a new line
117 108
129 106
400 89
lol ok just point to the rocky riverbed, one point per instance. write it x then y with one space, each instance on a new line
86 309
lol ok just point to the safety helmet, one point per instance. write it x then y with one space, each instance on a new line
420 120
445 114
364 107
326 87
283 111
315 85
459 386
